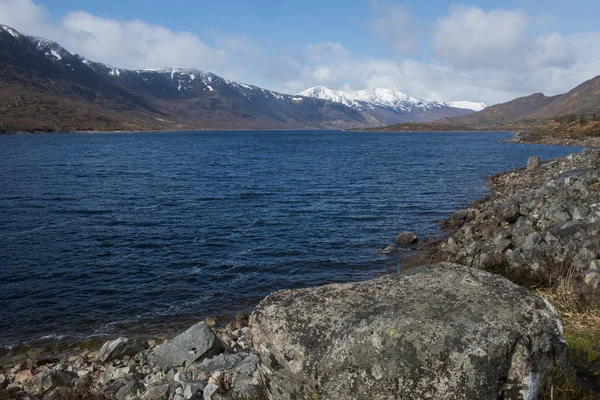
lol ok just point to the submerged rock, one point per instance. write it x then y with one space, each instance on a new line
442 331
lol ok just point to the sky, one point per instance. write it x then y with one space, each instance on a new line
489 50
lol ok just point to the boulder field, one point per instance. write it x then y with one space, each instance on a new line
540 221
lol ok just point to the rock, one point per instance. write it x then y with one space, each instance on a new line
533 162
474 248
406 238
211 392
159 392
510 212
3 381
595 264
592 278
23 376
193 390
49 380
130 391
193 345
210 322
443 331
118 348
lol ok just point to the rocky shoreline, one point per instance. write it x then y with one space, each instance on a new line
565 139
443 330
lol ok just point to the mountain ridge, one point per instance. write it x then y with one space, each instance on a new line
47 88
384 97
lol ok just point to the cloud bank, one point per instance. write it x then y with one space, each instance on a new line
473 54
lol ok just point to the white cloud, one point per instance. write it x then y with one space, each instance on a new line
326 51
392 25
472 38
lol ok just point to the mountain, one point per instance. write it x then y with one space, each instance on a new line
393 105
536 109
43 87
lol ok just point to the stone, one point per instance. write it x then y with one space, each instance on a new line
442 331
192 389
49 380
219 363
406 238
211 392
193 345
510 212
130 391
533 162
23 376
183 376
3 381
118 348
595 264
210 322
474 248
159 392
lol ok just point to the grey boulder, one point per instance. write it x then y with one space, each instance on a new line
119 348
406 238
46 381
193 345
442 331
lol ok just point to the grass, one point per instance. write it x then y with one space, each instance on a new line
580 314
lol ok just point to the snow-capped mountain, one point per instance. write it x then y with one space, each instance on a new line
409 108
384 98
80 94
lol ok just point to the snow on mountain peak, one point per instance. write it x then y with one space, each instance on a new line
467 105
383 98
369 98
11 31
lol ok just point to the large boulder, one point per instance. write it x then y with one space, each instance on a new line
442 331
193 345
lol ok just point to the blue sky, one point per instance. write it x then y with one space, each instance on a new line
489 51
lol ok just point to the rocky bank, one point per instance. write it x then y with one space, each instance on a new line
541 221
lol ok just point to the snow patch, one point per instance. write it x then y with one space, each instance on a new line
11 31
115 72
209 87
54 54
467 105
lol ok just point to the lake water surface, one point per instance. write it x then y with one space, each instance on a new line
105 234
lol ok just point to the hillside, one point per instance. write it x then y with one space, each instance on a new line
43 87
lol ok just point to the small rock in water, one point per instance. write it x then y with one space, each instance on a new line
406 238
533 162
210 321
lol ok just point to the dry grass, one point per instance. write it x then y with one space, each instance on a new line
580 314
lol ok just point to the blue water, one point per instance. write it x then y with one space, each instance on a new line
105 234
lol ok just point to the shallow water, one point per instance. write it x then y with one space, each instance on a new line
104 234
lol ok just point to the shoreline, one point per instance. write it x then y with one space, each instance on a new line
465 242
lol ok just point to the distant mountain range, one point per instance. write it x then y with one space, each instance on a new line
370 98
536 111
43 87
